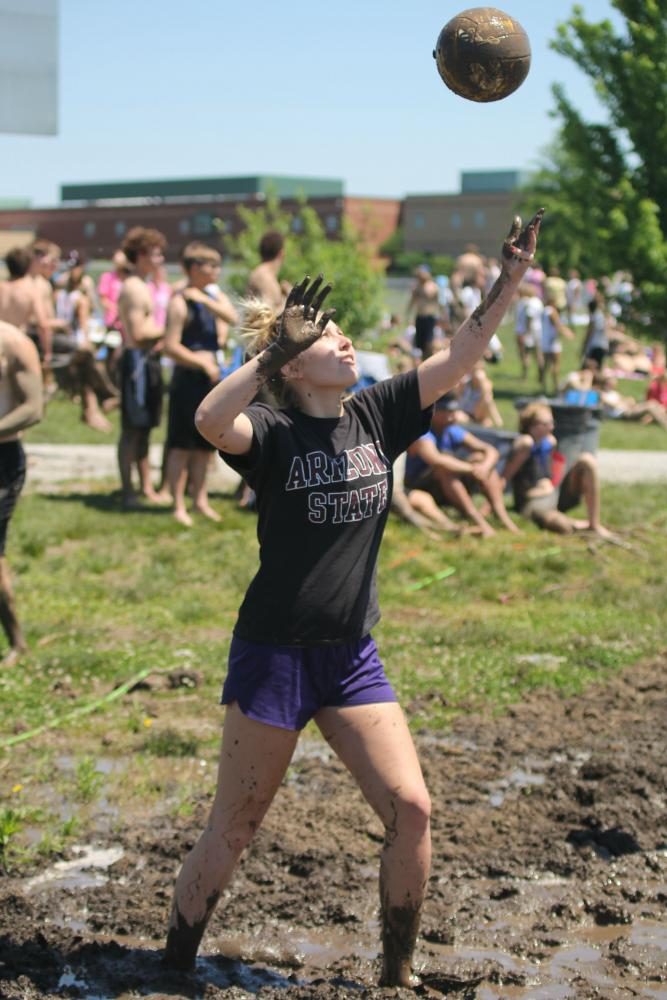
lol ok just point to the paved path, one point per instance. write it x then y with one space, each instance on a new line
51 464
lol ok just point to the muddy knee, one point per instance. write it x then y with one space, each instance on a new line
412 815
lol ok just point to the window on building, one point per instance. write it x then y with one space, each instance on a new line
455 220
89 230
184 227
419 220
297 224
331 223
203 224
119 229
479 218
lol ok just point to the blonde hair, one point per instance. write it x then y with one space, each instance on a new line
530 414
259 328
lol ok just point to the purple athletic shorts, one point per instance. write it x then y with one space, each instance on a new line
286 686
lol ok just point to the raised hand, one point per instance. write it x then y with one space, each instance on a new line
298 326
519 247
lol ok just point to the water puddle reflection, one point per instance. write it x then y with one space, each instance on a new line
83 872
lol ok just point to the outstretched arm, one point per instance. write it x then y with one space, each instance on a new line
440 373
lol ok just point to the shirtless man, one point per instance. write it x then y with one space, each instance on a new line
45 257
141 385
425 302
19 298
263 282
20 407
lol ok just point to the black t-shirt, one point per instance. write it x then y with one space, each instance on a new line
323 488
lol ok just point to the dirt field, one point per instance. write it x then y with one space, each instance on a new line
549 877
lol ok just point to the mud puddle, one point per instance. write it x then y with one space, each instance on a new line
555 889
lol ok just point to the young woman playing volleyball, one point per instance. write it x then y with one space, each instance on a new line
322 472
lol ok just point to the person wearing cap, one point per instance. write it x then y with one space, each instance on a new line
434 465
425 303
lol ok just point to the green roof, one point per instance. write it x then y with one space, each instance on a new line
284 187
491 181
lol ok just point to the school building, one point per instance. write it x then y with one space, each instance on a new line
94 218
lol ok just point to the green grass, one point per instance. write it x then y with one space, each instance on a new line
104 595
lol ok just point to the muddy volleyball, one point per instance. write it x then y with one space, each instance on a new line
483 54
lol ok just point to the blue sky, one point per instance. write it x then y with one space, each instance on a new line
160 88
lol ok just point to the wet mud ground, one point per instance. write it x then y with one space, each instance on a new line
549 877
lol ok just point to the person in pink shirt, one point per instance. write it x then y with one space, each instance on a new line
108 289
160 290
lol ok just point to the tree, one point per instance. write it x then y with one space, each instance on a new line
358 286
605 185
402 261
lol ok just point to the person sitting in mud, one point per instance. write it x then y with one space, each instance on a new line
529 470
302 647
451 464
476 400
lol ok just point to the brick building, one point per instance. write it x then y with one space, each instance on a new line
479 214
93 218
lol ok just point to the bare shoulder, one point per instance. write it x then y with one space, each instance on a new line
134 291
523 442
18 348
177 307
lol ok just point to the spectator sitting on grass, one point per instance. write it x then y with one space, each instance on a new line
418 507
657 391
529 470
433 466
618 407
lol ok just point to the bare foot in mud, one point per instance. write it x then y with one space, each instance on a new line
206 511
403 978
183 518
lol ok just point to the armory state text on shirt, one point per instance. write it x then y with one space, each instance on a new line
342 506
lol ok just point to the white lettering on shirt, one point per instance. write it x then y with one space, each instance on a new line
349 506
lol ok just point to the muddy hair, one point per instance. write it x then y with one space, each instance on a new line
259 327
530 414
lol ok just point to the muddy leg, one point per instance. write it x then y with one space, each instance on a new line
253 761
375 744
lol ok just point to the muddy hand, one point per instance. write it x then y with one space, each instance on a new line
519 247
298 326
